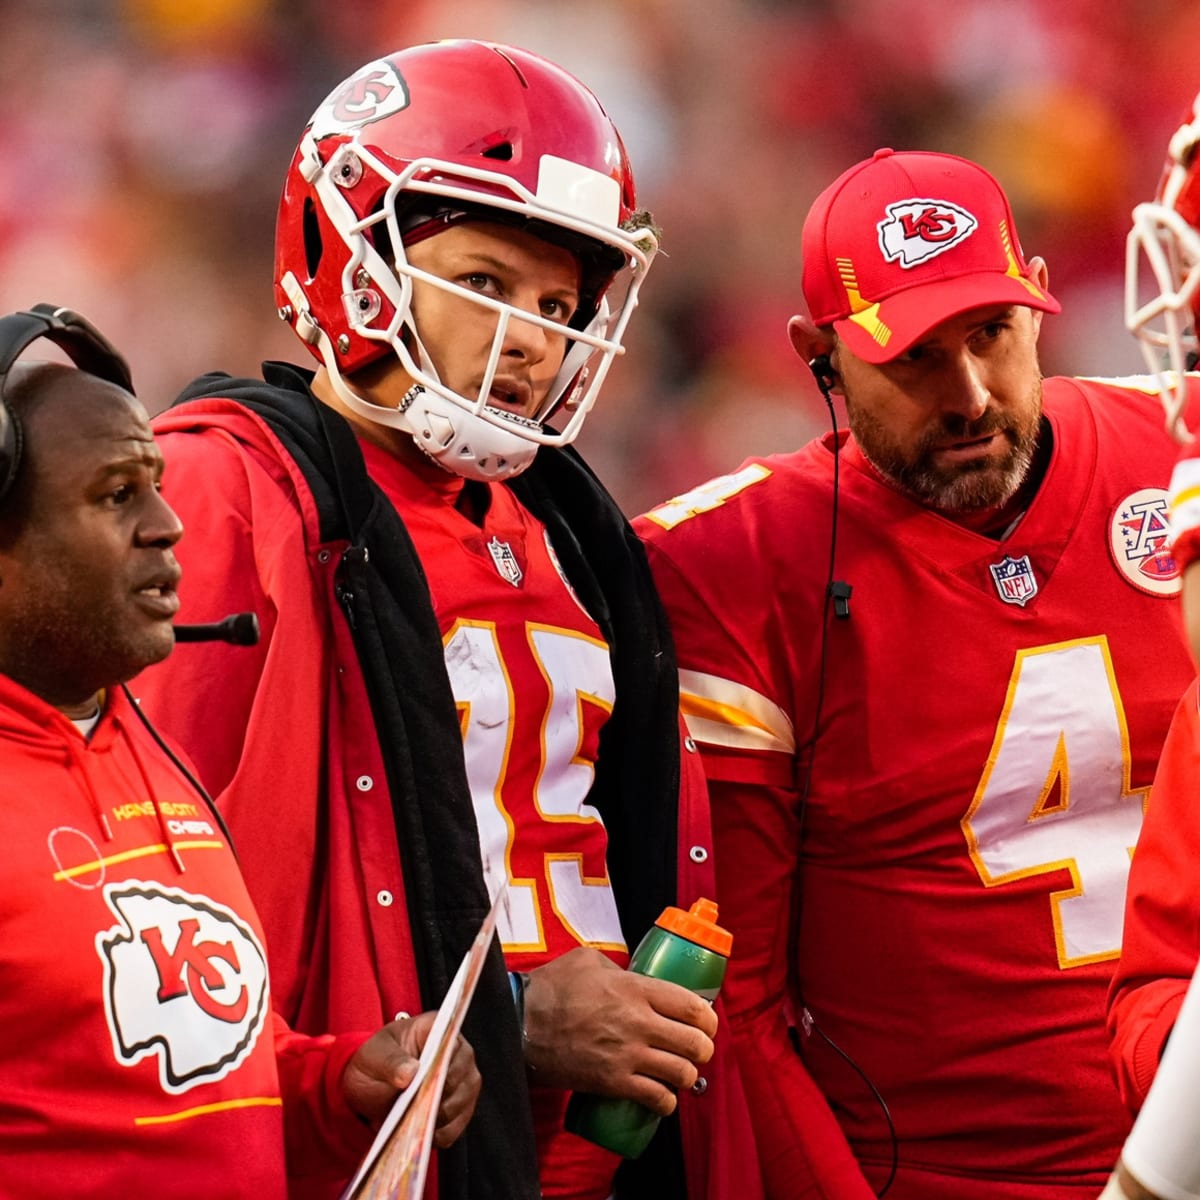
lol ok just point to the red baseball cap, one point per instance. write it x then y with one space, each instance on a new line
902 241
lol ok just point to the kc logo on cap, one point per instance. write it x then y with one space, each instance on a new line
903 241
916 230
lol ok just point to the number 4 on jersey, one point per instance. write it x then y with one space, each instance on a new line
1056 794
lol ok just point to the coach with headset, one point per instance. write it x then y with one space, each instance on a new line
137 1042
930 663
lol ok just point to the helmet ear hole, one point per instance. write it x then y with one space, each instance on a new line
313 245
502 152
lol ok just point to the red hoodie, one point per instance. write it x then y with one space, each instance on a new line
139 1046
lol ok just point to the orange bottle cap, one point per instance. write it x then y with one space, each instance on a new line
699 925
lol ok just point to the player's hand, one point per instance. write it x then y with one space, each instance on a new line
592 1027
386 1064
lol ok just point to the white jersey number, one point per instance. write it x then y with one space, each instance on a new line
575 668
1056 793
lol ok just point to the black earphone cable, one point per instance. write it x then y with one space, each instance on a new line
837 597
209 802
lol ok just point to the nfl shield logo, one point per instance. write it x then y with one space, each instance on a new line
1014 580
506 561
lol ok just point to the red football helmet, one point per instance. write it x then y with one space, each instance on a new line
424 135
1166 231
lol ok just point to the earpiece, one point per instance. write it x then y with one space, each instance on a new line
823 372
86 347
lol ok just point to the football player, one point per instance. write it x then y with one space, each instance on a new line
465 688
1151 1004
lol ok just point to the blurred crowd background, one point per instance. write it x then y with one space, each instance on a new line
143 144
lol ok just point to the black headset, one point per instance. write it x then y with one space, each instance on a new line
823 373
84 344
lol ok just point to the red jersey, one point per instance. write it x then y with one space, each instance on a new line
992 712
532 698
1160 949
139 1044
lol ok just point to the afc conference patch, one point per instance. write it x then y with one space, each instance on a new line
1014 579
1137 539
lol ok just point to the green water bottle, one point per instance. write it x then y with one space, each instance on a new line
688 948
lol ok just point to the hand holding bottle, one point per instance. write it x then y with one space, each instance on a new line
590 1026
685 948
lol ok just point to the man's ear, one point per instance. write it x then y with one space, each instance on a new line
815 348
807 340
1038 273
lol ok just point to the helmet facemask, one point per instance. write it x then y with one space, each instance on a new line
1164 244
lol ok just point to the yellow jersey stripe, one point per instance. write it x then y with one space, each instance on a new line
201 1109
125 856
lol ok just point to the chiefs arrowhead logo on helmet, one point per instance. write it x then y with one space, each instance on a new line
370 94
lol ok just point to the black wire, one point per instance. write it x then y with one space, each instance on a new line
209 802
793 967
833 525
887 1115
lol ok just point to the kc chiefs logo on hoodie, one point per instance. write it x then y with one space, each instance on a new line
184 979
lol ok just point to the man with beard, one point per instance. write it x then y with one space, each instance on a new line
930 664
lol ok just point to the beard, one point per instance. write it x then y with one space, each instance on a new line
987 482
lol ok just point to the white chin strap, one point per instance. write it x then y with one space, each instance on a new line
457 440
463 443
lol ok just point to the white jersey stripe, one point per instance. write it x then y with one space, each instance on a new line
720 712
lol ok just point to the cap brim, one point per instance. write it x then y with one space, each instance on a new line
887 329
